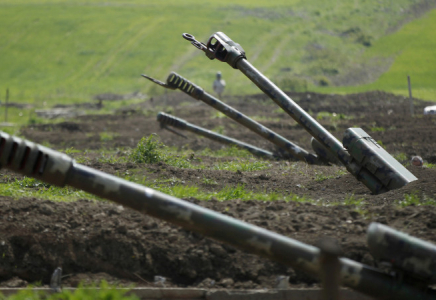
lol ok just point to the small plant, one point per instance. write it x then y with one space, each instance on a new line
351 200
377 129
414 199
319 177
233 151
31 183
148 151
380 142
107 136
33 120
179 161
220 129
104 291
218 115
401 157
71 150
208 181
332 116
229 193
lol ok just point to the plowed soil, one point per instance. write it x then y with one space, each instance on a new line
99 240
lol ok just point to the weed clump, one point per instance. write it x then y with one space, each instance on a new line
103 291
415 199
148 151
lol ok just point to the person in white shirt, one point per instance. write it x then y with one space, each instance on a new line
219 84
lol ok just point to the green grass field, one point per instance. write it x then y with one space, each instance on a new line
413 48
68 51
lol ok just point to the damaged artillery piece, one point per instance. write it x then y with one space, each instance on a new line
175 81
359 153
413 259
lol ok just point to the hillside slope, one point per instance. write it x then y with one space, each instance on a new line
73 50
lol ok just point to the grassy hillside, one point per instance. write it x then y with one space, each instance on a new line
413 49
70 50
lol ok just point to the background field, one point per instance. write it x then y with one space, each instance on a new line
69 51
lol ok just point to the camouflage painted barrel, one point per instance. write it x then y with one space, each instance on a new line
56 168
168 119
311 126
221 47
413 256
175 81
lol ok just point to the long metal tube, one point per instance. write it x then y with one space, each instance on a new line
294 110
182 124
175 81
221 47
310 124
244 120
57 168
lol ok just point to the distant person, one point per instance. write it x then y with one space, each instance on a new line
219 84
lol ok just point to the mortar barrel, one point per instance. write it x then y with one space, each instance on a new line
174 80
182 124
310 125
407 253
55 168
294 110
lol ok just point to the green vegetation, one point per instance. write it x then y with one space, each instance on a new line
242 165
324 115
377 129
380 142
267 119
415 199
149 150
401 157
68 51
30 187
292 83
412 51
350 200
219 129
218 115
103 292
232 151
227 193
321 176
107 136
208 181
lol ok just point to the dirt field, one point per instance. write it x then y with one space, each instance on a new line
93 241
